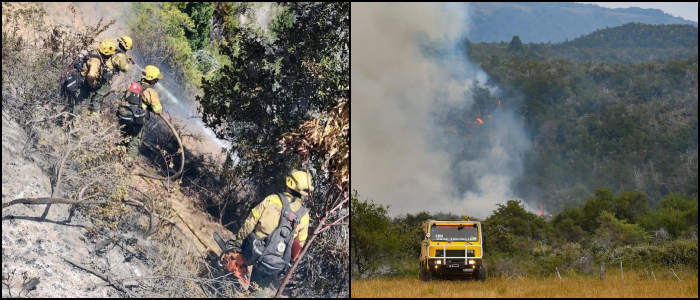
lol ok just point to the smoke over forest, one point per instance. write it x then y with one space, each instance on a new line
428 135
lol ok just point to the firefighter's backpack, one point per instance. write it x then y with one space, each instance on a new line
273 252
133 112
72 80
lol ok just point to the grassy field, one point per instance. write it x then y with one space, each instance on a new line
635 285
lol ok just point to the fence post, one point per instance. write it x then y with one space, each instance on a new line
602 271
558 273
622 274
652 273
674 273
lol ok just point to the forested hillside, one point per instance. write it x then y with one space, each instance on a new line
623 126
543 22
629 43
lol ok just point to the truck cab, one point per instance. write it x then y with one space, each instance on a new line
452 248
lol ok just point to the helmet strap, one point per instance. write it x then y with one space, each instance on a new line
294 193
150 82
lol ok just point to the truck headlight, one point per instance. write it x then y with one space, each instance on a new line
471 262
439 262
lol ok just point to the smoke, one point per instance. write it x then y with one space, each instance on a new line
412 88
261 14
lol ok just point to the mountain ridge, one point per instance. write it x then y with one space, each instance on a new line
553 22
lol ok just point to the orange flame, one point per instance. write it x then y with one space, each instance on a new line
499 103
489 116
540 213
480 121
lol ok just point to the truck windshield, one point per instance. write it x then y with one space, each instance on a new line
454 233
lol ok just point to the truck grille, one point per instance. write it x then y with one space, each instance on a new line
454 253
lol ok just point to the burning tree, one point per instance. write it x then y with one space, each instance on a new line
325 138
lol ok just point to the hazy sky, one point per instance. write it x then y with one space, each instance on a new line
685 10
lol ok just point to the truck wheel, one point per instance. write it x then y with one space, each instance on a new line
425 274
430 275
482 274
421 274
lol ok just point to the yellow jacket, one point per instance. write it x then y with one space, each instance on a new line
118 60
265 217
150 98
92 70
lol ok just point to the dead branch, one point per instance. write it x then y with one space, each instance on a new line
141 205
150 277
57 186
49 200
328 226
104 277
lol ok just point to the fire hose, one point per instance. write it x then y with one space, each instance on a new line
182 155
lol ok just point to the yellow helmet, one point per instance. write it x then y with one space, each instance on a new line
107 47
300 181
126 42
151 72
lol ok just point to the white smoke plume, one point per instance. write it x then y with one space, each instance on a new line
402 155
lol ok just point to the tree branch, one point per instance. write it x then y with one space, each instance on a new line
328 226
48 200
60 167
104 277
317 231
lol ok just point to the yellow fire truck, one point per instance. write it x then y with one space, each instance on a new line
452 248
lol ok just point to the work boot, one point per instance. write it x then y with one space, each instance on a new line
129 164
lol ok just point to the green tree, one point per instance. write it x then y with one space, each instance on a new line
201 15
675 213
370 237
512 219
602 201
269 89
163 31
484 103
410 231
515 44
495 61
570 230
616 233
630 205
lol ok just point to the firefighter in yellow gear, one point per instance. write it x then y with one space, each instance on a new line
113 59
140 98
96 74
265 217
121 61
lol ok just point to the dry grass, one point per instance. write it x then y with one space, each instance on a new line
635 285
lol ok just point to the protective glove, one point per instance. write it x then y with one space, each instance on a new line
237 246
130 59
